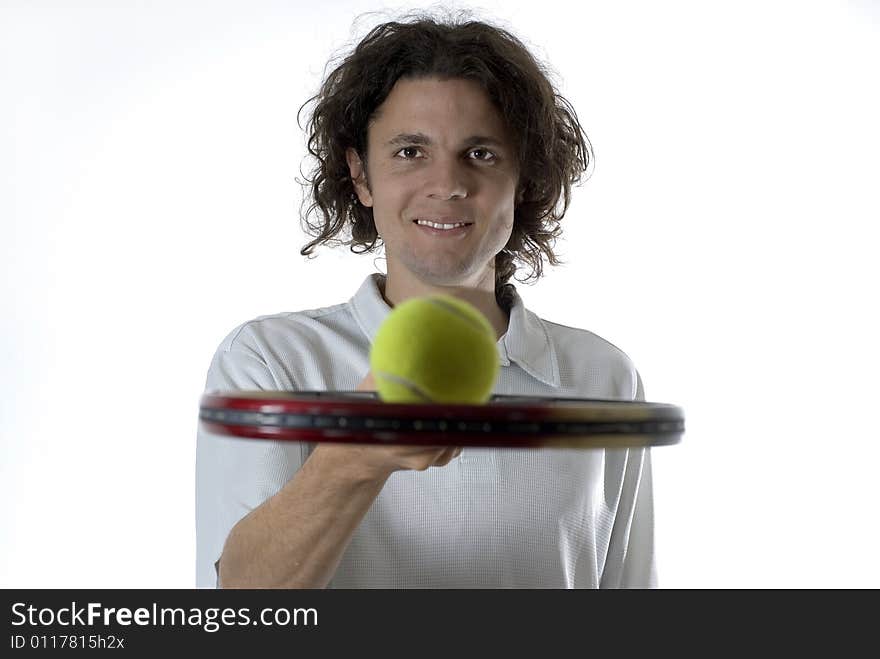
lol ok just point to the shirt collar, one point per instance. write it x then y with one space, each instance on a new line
526 342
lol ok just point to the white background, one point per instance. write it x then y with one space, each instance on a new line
726 241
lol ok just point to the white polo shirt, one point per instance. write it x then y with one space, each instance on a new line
492 518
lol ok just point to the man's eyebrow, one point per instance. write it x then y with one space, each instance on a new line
423 140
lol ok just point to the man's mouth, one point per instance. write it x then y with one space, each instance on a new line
443 226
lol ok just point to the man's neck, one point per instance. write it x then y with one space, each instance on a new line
482 298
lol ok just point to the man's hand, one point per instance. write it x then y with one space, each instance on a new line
368 383
381 461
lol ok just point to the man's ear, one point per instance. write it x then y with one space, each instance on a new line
358 177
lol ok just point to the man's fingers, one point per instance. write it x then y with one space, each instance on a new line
446 456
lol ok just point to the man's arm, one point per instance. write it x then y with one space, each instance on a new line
630 562
296 538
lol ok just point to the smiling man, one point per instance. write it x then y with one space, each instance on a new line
444 143
443 177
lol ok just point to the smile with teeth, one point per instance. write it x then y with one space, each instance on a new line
437 225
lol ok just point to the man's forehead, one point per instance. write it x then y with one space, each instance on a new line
412 90
432 99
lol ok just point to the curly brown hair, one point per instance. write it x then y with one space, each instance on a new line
552 147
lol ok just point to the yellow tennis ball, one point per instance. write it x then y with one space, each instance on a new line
435 349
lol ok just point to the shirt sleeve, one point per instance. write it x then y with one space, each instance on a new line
235 475
630 562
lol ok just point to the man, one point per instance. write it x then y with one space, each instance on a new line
447 143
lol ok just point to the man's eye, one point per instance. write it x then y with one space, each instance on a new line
407 148
491 156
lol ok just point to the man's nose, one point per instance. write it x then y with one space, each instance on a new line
448 178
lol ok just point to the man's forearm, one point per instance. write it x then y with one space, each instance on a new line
296 538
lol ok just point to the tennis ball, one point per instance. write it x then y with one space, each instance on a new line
435 349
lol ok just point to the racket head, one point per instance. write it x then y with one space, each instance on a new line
504 422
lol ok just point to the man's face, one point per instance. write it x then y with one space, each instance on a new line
438 150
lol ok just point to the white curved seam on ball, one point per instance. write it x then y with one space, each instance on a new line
458 312
413 388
